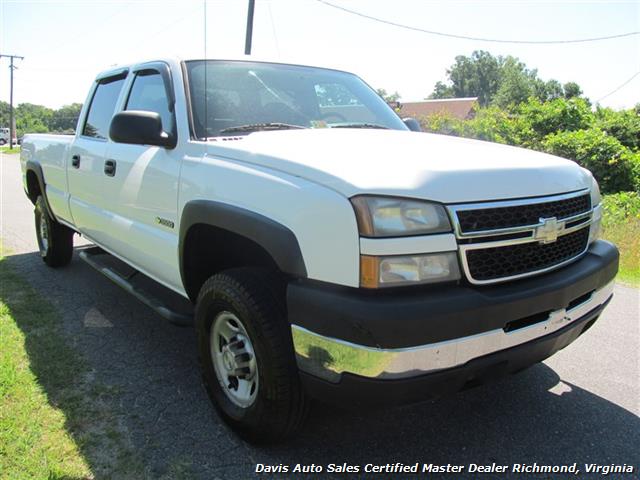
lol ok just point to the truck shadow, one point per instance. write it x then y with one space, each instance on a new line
147 374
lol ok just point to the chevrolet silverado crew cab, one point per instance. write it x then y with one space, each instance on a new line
326 250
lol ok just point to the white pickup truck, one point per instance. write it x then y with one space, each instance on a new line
330 251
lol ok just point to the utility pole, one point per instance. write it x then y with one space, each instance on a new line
11 121
247 42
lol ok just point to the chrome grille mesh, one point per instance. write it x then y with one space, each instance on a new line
511 239
498 262
520 215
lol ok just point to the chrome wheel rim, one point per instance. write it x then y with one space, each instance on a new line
234 359
44 236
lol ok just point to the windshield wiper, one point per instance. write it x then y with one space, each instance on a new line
359 125
256 127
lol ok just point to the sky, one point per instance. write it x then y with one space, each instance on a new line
66 43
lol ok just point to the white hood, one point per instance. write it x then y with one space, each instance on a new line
421 165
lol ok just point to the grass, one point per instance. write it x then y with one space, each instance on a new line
5 149
34 442
54 420
621 225
626 236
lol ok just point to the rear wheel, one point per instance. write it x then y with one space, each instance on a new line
55 240
247 358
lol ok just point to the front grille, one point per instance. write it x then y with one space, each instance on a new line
521 215
485 264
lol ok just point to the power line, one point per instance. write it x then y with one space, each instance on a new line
273 29
478 39
619 87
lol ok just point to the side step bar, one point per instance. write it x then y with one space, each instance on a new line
91 254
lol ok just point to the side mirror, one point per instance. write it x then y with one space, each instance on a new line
140 128
413 124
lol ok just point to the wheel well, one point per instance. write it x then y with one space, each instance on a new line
33 186
208 250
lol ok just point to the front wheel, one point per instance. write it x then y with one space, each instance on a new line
247 358
55 240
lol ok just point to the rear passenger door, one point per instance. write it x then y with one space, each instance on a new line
141 194
85 162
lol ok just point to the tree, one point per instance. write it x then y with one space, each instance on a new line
441 90
388 97
32 118
4 114
549 90
503 81
571 90
475 76
623 125
517 83
66 118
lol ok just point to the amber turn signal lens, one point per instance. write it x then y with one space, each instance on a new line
369 271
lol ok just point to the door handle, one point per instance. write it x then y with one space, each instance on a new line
110 168
75 161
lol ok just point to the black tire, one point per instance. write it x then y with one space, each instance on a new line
256 298
56 243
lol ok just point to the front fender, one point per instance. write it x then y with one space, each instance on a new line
276 239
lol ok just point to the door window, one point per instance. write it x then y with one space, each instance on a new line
102 107
148 93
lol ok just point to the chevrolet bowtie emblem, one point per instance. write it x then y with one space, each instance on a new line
548 230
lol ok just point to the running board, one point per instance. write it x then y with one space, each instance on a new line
91 254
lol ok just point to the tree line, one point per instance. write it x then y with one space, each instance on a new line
518 108
500 81
32 118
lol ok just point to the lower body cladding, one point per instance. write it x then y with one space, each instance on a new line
357 348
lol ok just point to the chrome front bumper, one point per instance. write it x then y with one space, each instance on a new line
328 358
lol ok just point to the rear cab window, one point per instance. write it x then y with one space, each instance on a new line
102 107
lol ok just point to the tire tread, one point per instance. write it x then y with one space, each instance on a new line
263 292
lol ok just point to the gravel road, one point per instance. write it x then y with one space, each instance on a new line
582 405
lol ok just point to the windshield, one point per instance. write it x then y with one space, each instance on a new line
242 97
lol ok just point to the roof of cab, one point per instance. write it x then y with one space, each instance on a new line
176 61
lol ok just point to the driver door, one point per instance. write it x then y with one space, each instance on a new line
140 185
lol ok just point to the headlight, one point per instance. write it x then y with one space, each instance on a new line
396 217
392 271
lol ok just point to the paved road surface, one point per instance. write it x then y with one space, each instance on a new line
582 405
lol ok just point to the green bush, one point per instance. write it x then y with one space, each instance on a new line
527 125
542 119
621 207
491 124
496 125
605 142
623 124
443 123
614 166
